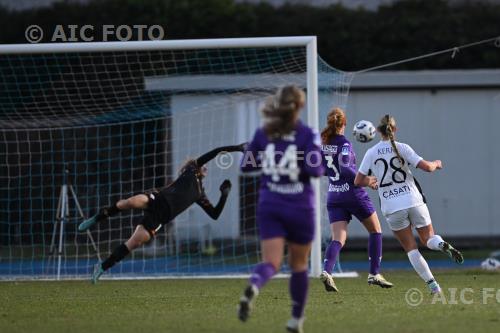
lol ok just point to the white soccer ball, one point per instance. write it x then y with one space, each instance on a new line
491 264
364 131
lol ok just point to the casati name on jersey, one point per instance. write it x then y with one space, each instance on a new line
396 192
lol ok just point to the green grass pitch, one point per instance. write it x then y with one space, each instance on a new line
210 306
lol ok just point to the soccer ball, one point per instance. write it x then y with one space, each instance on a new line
490 264
364 131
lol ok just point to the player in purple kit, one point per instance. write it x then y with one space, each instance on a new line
345 200
289 156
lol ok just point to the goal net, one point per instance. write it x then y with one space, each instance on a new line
83 125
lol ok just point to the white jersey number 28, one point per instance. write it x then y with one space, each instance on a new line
398 174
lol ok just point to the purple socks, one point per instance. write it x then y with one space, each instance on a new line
331 254
299 282
375 252
261 274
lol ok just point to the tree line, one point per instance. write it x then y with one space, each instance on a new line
348 39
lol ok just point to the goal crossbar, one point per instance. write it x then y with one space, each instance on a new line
181 44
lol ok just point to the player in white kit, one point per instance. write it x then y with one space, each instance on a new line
401 198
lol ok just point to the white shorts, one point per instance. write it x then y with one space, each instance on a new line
418 217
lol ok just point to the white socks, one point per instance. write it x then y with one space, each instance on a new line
420 265
433 243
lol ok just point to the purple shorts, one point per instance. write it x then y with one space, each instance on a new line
294 224
343 211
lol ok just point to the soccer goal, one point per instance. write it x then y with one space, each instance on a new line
85 124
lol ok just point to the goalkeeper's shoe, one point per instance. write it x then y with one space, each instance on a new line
379 280
88 223
453 253
96 274
434 287
101 216
246 302
327 280
295 325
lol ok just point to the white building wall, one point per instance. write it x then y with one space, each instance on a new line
457 126
447 115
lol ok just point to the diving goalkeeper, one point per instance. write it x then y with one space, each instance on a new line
163 206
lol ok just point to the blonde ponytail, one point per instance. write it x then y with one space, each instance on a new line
386 128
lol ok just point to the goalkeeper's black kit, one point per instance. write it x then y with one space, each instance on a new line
170 201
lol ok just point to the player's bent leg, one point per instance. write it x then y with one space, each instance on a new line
139 237
407 241
425 234
436 243
299 283
339 236
372 225
139 201
272 255
102 215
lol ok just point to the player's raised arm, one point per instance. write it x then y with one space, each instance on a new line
204 159
363 181
251 159
430 166
362 178
206 205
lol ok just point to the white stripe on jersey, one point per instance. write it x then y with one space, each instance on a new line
397 189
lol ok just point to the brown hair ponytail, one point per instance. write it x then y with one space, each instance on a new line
387 127
281 111
335 120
